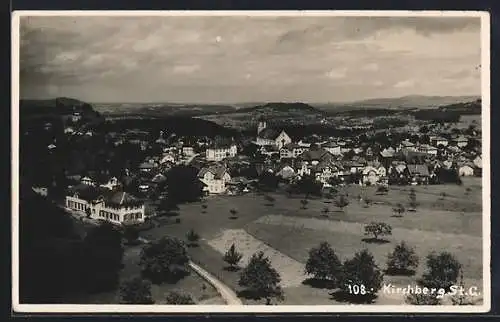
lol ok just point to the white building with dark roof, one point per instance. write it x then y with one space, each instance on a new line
214 178
267 136
114 206
220 151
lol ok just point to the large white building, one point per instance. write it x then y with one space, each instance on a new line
219 152
117 207
271 137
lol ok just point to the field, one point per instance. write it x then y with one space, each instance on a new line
285 232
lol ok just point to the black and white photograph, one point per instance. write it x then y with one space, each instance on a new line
272 161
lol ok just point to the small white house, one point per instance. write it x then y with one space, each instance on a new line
478 162
465 170
168 157
42 191
111 184
214 178
188 151
88 181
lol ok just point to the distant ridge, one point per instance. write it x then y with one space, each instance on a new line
404 102
278 107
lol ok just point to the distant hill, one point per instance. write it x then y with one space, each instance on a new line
162 109
278 108
405 102
59 110
56 106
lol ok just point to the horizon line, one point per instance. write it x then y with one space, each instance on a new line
253 102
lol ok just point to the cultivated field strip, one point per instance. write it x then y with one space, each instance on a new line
291 271
357 228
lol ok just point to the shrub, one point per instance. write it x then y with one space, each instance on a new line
378 229
402 260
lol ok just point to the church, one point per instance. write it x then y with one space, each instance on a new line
267 136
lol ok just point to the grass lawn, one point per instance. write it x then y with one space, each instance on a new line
293 231
429 197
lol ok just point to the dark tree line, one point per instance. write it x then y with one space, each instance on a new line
57 258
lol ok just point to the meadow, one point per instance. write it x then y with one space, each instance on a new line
286 232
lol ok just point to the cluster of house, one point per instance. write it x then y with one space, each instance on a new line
409 162
329 161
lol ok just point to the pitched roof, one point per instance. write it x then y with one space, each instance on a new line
269 134
330 145
218 170
420 169
293 145
315 154
121 198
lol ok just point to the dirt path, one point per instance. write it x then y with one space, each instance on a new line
227 294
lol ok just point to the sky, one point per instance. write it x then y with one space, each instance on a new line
235 59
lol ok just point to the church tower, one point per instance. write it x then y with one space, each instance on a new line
262 126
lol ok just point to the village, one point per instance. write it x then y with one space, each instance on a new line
226 166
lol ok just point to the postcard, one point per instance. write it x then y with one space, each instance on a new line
251 161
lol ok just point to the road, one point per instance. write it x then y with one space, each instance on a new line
225 291
227 294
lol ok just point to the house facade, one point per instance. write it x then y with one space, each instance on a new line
291 150
333 148
214 178
220 152
271 137
117 207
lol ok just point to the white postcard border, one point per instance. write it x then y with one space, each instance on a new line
104 308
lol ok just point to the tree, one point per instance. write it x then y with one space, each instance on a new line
323 263
183 185
361 270
192 238
131 233
342 202
304 203
399 209
232 257
442 270
378 229
233 213
261 279
402 260
268 181
309 186
103 247
165 260
175 298
136 291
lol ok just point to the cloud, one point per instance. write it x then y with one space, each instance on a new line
263 58
405 83
185 69
336 73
